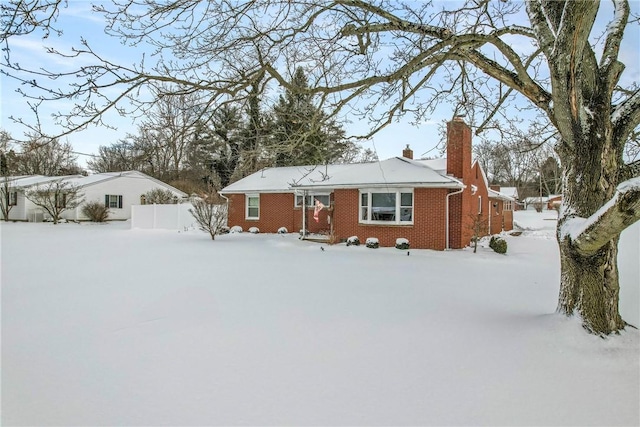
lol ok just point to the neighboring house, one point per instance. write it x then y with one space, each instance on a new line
513 193
554 201
432 203
117 190
23 209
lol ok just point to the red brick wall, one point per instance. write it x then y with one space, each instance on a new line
276 210
427 231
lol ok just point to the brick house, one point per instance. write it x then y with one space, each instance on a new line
432 203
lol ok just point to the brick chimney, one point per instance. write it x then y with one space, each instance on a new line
407 153
458 148
495 188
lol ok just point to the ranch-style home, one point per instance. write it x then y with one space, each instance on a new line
117 190
432 203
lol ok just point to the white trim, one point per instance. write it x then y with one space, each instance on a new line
246 203
397 213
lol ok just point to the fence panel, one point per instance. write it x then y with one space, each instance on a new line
167 217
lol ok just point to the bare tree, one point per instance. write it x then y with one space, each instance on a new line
55 197
46 156
211 213
380 60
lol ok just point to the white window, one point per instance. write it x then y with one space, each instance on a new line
479 204
386 207
13 198
507 205
253 206
113 201
310 201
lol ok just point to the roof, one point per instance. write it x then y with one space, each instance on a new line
85 181
493 194
393 172
510 191
25 181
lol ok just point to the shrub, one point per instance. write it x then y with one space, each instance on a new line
95 211
498 244
402 243
236 229
254 230
283 230
160 197
353 240
372 242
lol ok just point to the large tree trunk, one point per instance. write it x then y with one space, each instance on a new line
589 286
595 211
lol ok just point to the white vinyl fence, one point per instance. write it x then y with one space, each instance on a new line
168 217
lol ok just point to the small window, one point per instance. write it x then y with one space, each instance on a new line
113 201
13 198
479 204
310 200
253 206
507 206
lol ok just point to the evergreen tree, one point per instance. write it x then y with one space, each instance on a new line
302 132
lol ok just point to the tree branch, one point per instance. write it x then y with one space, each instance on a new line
589 235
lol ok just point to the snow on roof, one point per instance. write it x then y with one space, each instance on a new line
510 191
84 181
500 195
31 180
438 165
396 171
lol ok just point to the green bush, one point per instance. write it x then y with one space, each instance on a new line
498 244
95 211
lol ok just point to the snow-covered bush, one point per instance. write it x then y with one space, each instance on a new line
283 230
236 229
498 244
402 243
372 242
254 230
96 211
353 240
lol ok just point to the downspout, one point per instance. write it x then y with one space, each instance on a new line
447 217
226 199
304 214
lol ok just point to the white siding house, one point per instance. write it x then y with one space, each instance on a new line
24 209
118 190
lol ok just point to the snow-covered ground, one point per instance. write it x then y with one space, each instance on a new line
103 325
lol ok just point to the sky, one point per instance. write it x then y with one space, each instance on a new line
124 327
78 22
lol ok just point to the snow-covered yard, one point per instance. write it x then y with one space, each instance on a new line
103 325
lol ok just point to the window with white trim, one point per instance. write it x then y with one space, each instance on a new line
506 206
13 198
253 206
310 201
390 207
113 201
479 204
